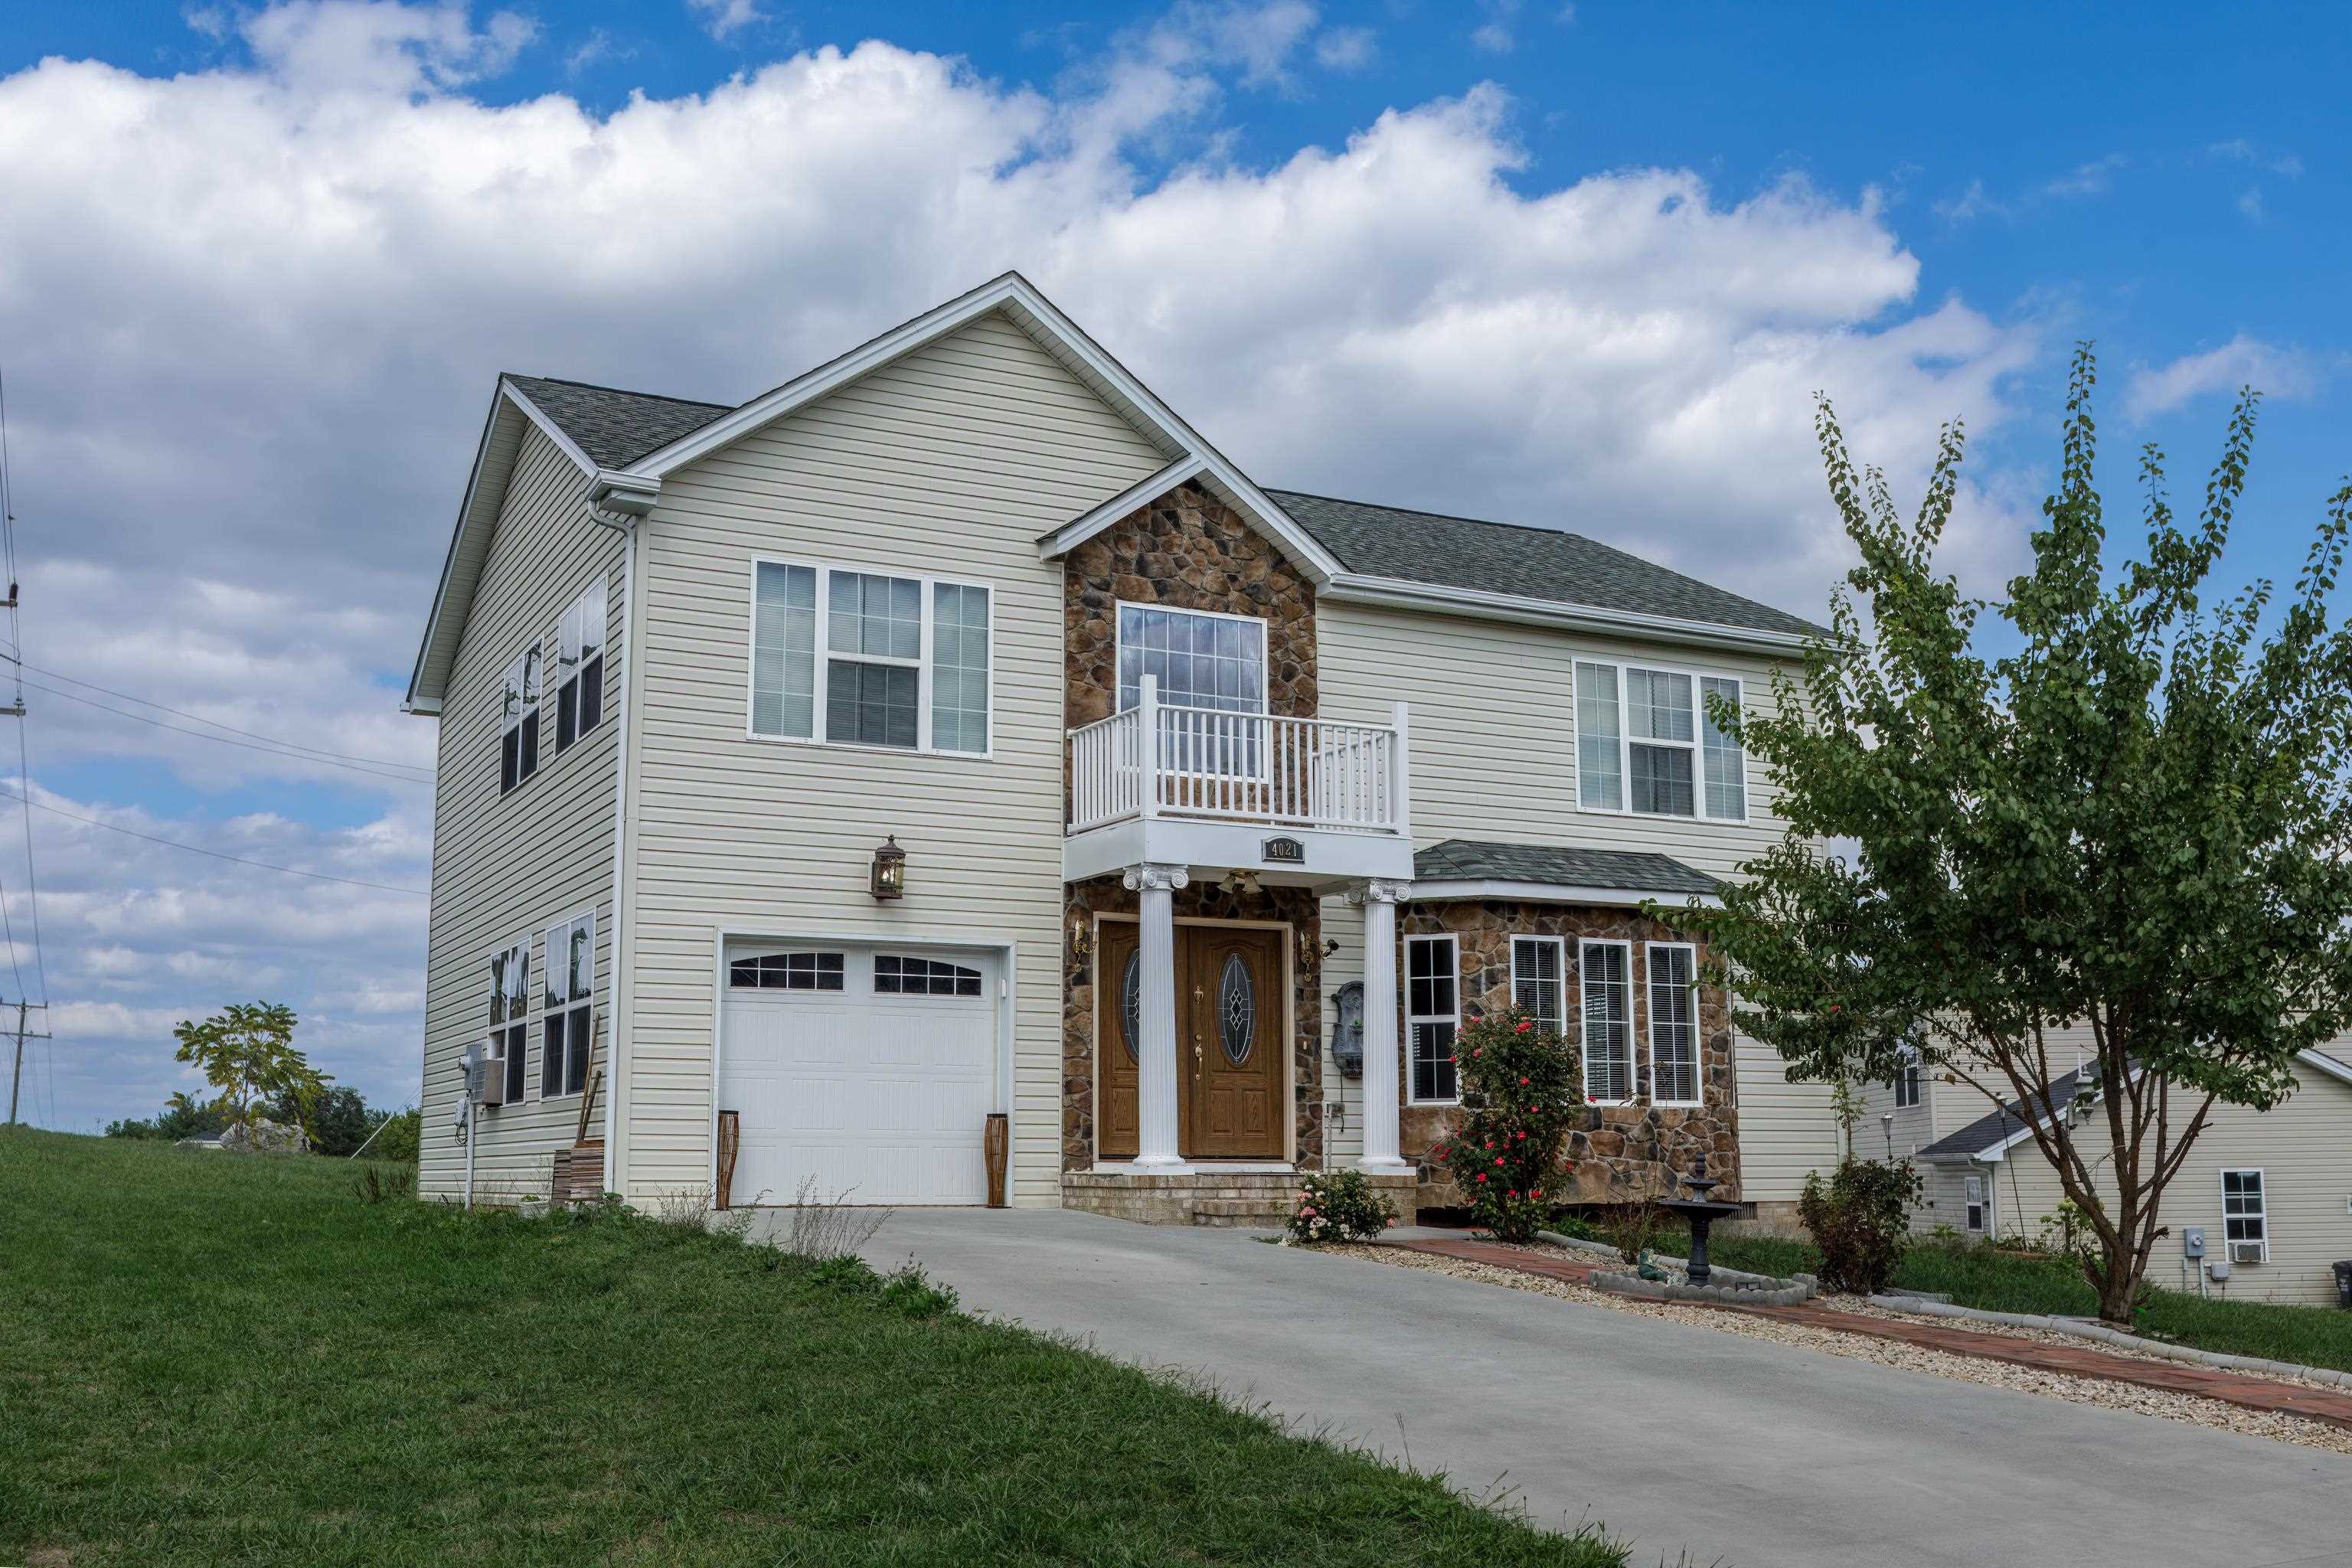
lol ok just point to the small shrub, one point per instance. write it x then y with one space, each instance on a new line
1859 1222
907 1289
1576 1228
1519 1085
1339 1205
1633 1228
384 1184
398 1139
825 1227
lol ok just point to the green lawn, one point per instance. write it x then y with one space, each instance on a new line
2007 1282
205 1358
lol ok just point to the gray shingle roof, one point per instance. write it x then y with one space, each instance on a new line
616 427
1995 1126
1510 558
1464 860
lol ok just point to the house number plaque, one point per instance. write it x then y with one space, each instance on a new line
1283 852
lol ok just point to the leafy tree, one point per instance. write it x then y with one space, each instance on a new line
398 1142
1519 1096
180 1118
247 1053
2138 820
338 1123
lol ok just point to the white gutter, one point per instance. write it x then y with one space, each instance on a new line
1396 593
1432 891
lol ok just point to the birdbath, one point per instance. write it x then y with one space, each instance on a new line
1701 1212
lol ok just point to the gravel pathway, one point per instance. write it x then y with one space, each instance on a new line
2189 1408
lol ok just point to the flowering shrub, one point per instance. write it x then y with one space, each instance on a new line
1520 1093
1339 1205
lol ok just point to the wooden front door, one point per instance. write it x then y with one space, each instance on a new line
1229 1041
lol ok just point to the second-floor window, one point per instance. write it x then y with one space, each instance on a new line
580 667
1201 660
1646 743
869 659
1906 1086
518 720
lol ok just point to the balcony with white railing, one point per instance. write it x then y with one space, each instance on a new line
1170 767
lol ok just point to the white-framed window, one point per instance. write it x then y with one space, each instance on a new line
580 665
787 972
851 658
1972 1198
896 975
2245 1211
1539 981
1673 968
1604 976
567 1037
1432 1017
509 1033
1646 745
1202 658
1906 1085
518 720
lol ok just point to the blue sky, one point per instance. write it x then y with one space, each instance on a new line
1578 266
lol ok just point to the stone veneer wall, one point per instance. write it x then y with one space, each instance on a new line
1204 900
1187 551
1621 1153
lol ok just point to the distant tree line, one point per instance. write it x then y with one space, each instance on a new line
339 1120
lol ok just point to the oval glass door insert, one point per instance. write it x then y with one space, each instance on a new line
1130 1004
1236 1010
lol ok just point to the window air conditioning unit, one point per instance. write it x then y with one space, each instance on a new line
2245 1252
486 1078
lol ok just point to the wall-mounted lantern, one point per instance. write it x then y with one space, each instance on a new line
1082 937
890 870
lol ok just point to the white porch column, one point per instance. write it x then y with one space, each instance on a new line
1382 1074
1155 1048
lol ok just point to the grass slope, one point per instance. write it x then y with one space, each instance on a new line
205 1358
1998 1282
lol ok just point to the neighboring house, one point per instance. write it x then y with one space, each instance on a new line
1220 806
2271 1190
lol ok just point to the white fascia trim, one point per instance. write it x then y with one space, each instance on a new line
1549 893
1015 295
506 393
1396 593
1078 530
631 493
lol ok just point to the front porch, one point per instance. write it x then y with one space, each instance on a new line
1201 844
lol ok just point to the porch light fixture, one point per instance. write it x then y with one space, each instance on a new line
890 870
1082 938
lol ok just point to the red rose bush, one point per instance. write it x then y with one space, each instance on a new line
1520 1098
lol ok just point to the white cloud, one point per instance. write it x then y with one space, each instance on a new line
724 19
2238 148
2093 178
253 316
2249 202
1346 48
1494 35
2268 368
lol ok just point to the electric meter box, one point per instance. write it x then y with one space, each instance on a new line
2192 1242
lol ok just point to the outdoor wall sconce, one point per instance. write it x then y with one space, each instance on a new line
890 870
1082 938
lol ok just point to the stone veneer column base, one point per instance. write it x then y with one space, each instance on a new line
1254 1199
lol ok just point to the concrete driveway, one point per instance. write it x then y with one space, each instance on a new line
1745 1452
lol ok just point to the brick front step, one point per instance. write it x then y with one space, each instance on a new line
1204 1196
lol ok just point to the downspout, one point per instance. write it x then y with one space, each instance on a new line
620 501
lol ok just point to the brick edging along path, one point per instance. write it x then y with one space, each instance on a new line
2171 1377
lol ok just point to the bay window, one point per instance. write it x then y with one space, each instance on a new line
1604 974
869 659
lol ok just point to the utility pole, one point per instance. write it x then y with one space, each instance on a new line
16 1076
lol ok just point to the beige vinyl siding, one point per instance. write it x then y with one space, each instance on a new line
2303 1149
949 462
506 867
1492 709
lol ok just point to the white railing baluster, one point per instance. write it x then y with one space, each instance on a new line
1161 759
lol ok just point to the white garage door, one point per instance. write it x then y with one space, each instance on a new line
867 1072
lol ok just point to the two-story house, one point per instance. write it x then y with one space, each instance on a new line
952 731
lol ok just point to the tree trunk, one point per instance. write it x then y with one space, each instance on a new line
2117 1282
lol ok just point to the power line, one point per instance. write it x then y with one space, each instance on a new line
273 749
182 713
200 849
